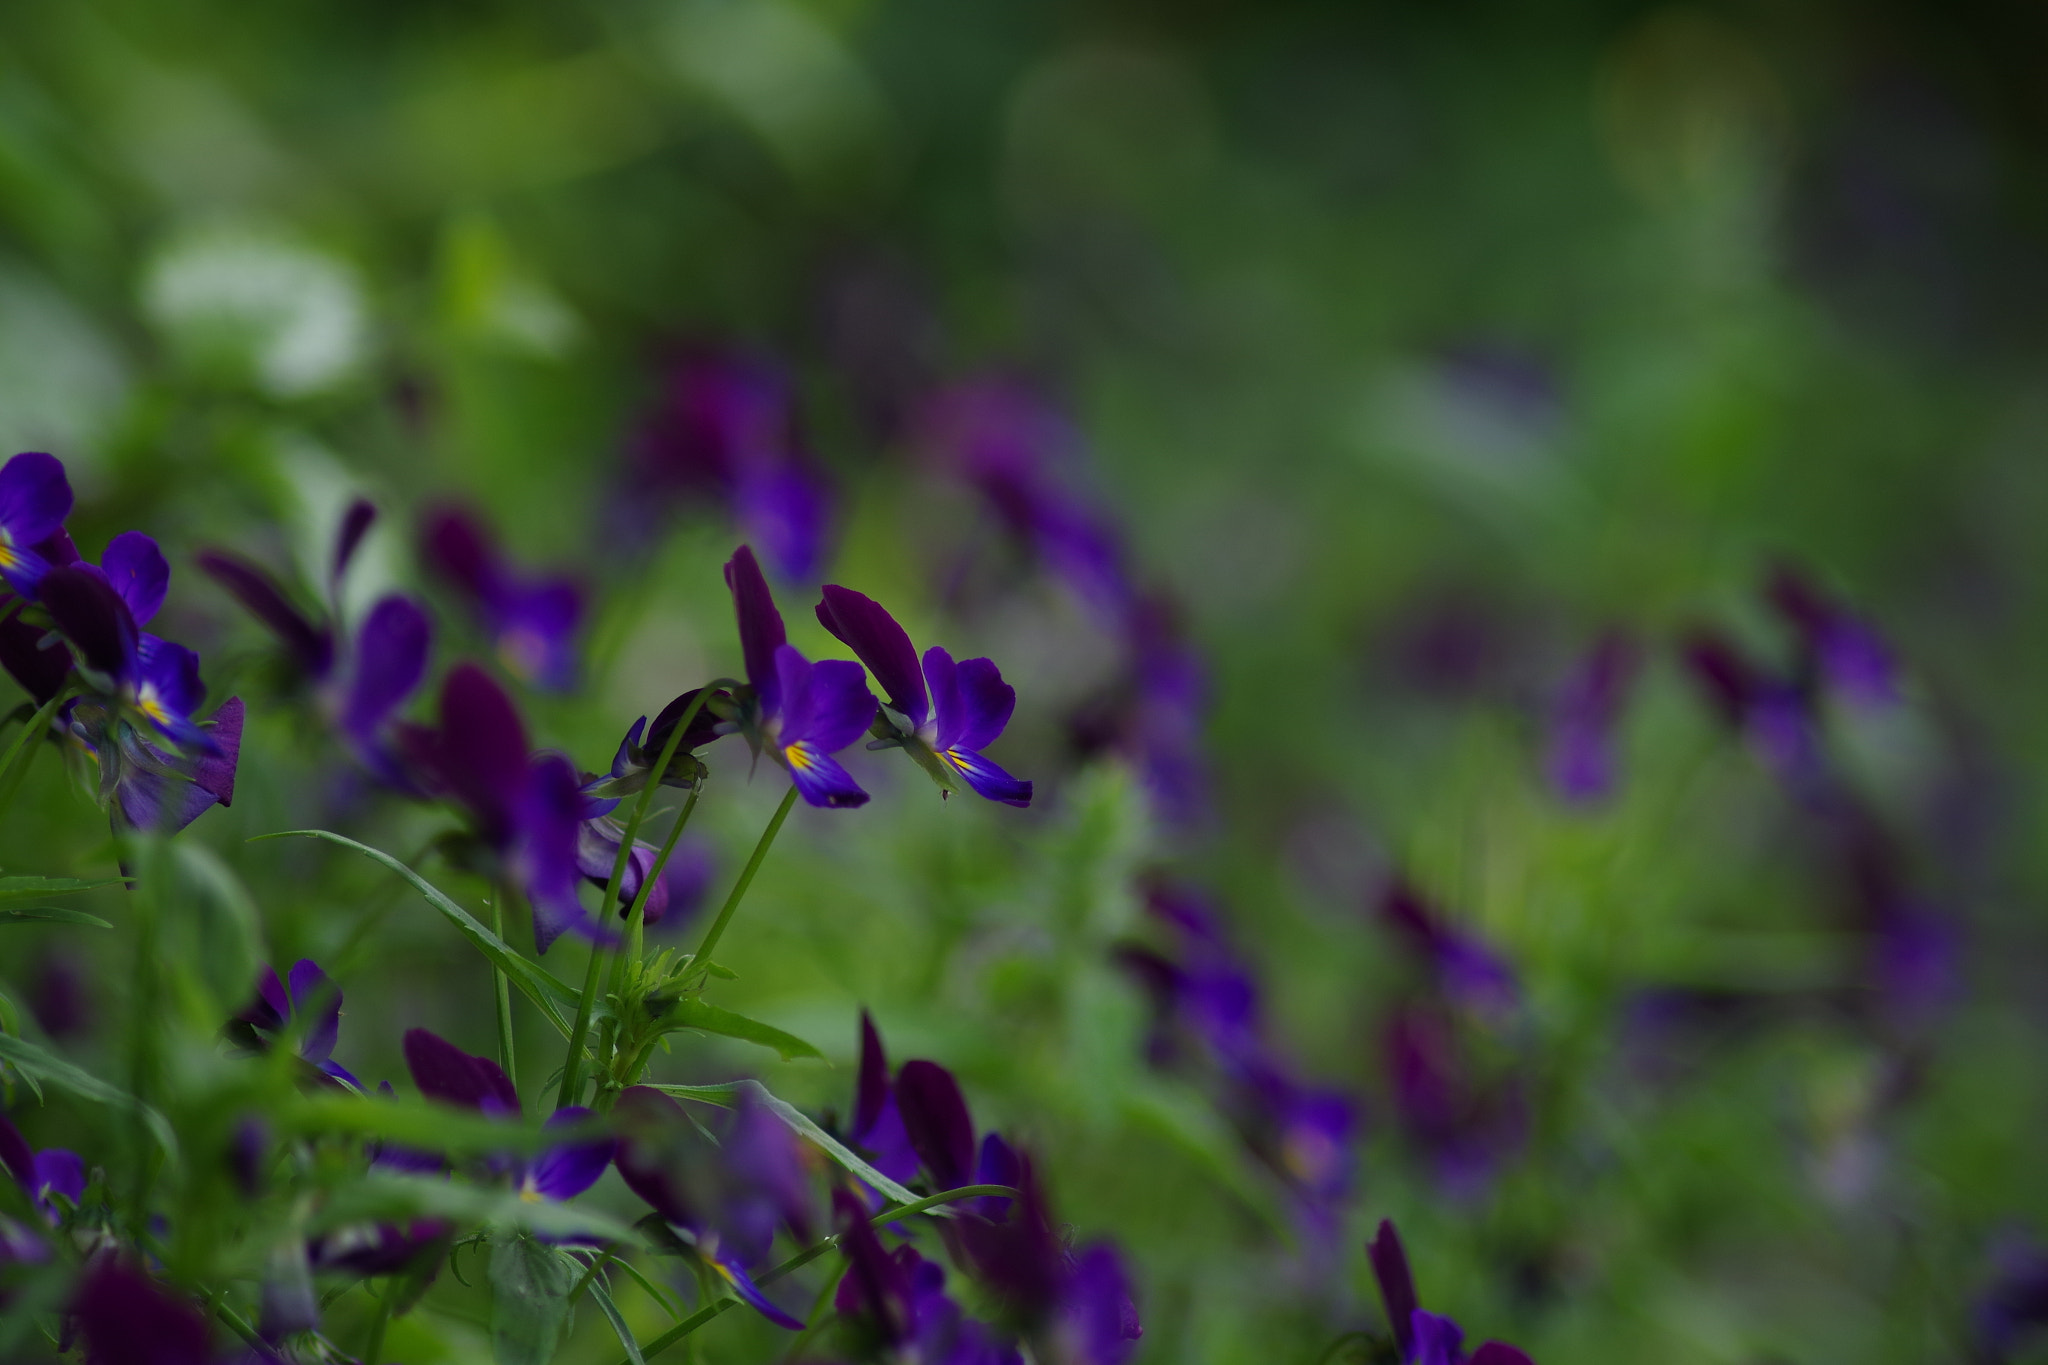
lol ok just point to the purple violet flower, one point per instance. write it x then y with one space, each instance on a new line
897 1302
801 713
599 836
723 1199
878 1130
52 1171
1844 652
526 809
726 432
275 1008
943 717
127 1318
35 497
1581 761
559 1173
1078 1304
532 622
1424 1338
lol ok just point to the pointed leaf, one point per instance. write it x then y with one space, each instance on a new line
618 1322
31 1060
705 1018
14 890
799 1123
32 914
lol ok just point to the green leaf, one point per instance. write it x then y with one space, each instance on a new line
14 890
711 1019
800 1123
211 932
31 914
556 1000
31 1060
530 1284
21 754
618 1322
422 1124
388 1197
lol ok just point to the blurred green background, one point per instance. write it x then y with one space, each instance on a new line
1411 345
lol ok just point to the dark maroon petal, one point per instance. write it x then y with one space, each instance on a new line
653 1131
568 1170
127 1318
93 618
1397 1286
935 1116
355 524
456 546
1500 1353
15 1154
760 624
390 661
860 623
703 726
41 672
1020 1259
481 749
443 1071
57 550
310 986
138 571
876 1290
35 497
310 644
986 703
871 1088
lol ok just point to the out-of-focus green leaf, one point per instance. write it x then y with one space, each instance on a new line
530 1284
695 1014
210 931
556 1000
48 914
29 1059
383 1196
1193 1127
14 890
422 1124
800 1123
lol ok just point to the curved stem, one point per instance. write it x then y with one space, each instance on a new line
739 888
502 990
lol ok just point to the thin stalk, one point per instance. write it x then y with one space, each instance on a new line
11 776
812 1253
572 1066
502 989
373 1344
817 1318
739 888
142 1028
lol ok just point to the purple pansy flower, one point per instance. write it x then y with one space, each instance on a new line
801 713
532 622
897 1302
1076 1305
526 809
724 1199
1840 649
877 1122
942 717
35 497
52 1171
150 680
275 1008
599 836
1771 713
128 1318
1581 760
1421 1337
559 1173
1467 971
726 432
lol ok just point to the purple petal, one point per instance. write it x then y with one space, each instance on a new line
35 497
138 571
750 1294
985 703
58 1172
568 1170
534 627
703 726
481 749
1397 1285
1500 1353
355 524
312 645
787 511
935 1116
1438 1340
876 1290
151 800
41 672
653 1131
214 772
390 661
860 623
820 779
168 674
308 984
443 1071
830 707
871 1087
456 546
550 819
92 616
760 624
763 1157
986 779
999 1165
1098 1324
127 1318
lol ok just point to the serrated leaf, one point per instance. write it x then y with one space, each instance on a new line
705 1018
14 890
618 1322
530 1284
799 1123
48 914
557 1001
31 1060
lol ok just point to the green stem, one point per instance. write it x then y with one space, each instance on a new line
572 1066
373 1344
812 1253
739 888
14 764
817 1318
142 1027
502 989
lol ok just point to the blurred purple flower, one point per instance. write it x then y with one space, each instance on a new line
897 1306
526 809
725 432
1468 972
532 622
127 1318
942 717
1842 651
801 713
446 1073
1077 1305
878 1131
1583 717
52 1171
1467 1120
1420 1337
1771 714
275 1009
1153 714
2012 1309
724 1199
